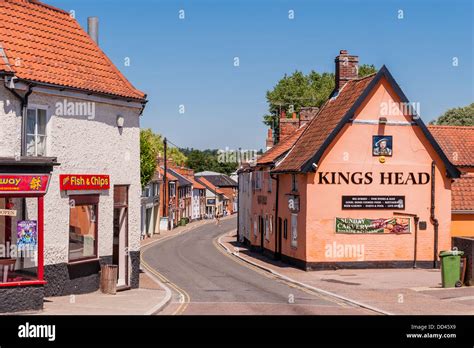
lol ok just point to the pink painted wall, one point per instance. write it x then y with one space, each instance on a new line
352 152
265 210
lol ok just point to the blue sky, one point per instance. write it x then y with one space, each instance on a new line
190 62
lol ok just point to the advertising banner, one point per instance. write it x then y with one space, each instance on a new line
18 183
26 232
82 182
399 225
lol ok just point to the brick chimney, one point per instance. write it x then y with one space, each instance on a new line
288 125
307 113
347 68
269 141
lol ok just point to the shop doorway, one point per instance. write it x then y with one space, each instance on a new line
120 240
261 232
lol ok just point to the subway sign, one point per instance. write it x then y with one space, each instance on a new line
83 182
18 183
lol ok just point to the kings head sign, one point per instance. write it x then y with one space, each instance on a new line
81 182
368 178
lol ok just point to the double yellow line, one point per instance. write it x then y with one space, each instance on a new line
184 298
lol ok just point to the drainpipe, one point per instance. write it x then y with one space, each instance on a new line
277 232
433 218
23 108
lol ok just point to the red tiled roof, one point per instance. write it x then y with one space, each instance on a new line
196 184
322 125
169 176
45 44
462 193
209 185
457 143
279 149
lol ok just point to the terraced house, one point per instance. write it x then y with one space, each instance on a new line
69 159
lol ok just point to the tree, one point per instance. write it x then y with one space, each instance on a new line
462 116
152 147
147 158
208 160
298 90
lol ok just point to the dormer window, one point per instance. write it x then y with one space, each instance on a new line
36 132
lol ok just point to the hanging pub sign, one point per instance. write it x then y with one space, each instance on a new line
373 202
399 225
20 183
83 182
294 203
211 201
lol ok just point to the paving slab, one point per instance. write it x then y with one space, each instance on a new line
395 291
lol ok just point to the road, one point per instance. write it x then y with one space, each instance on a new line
204 279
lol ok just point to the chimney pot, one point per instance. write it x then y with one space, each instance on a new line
93 28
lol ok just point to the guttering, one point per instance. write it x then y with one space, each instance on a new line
462 212
23 108
433 218
86 91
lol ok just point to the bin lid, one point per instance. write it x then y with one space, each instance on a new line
451 253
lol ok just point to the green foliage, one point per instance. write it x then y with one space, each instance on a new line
151 147
207 160
300 90
147 158
462 116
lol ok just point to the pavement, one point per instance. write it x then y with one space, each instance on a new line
151 297
205 280
386 291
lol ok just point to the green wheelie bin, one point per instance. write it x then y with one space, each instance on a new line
451 268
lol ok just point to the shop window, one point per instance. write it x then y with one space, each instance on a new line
36 132
285 229
294 230
83 223
18 239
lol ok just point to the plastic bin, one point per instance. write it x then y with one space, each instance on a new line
451 268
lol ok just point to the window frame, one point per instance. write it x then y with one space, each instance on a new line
294 231
80 200
294 183
46 134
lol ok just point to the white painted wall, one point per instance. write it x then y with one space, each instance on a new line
82 146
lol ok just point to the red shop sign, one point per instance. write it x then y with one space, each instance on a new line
83 182
19 183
